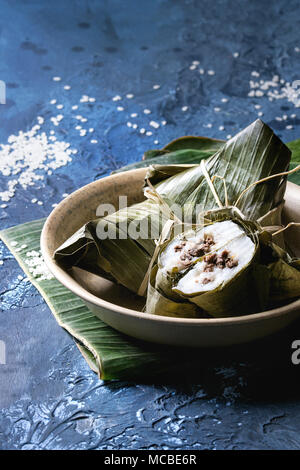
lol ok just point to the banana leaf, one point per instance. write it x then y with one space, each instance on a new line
284 271
294 146
170 157
192 142
188 149
109 353
284 281
158 303
254 153
184 156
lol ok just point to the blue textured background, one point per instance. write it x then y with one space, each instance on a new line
49 399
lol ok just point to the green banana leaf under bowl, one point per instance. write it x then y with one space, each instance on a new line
121 309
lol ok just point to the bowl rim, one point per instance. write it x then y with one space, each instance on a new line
74 286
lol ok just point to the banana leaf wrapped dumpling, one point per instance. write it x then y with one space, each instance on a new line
220 283
254 153
227 267
213 267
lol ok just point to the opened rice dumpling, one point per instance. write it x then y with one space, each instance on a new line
211 266
228 266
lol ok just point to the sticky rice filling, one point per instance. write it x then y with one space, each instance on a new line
185 250
219 267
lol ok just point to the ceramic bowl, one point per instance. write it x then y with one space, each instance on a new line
122 310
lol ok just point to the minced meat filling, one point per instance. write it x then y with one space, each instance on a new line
220 261
179 246
199 249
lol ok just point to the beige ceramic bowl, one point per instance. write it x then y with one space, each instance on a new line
120 309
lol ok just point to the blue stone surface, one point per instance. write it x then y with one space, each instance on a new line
49 398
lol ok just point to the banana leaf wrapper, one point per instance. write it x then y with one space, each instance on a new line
284 272
252 154
284 281
271 222
160 304
270 279
121 258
